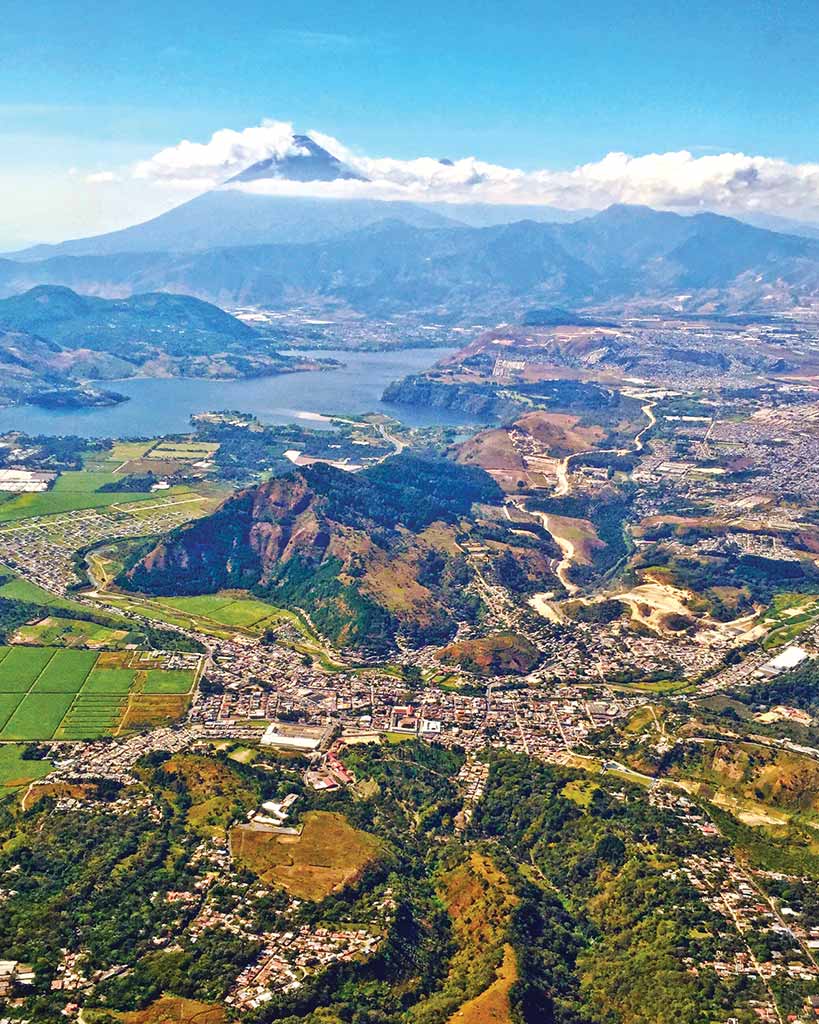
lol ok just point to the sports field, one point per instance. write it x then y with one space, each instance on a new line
59 693
223 607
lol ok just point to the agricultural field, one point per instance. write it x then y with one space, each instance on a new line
22 590
166 457
223 614
225 608
66 673
15 770
191 451
328 854
168 681
59 693
116 457
54 631
21 666
71 491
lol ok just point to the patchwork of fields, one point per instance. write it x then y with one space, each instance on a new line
59 693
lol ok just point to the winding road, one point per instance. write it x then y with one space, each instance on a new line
564 487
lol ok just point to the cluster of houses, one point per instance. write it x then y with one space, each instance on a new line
330 772
101 759
43 547
289 957
737 894
13 973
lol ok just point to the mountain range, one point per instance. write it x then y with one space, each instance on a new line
235 215
626 254
236 245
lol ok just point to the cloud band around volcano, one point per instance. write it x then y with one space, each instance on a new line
674 180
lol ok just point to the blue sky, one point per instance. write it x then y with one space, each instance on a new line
89 86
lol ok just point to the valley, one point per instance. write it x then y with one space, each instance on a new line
425 685
409 513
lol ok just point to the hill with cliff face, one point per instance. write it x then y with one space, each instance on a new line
368 556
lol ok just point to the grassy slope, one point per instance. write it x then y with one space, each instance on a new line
329 854
479 900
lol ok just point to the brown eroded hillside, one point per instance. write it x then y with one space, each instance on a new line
367 555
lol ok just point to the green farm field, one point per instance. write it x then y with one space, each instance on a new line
65 672
8 702
15 771
21 667
37 716
71 492
110 680
220 614
118 454
168 681
92 716
225 608
54 631
21 590
56 692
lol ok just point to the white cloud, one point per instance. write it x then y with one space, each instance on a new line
227 153
101 178
732 182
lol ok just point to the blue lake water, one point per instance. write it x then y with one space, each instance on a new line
165 406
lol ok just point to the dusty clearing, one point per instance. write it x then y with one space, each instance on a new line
650 603
170 1009
328 855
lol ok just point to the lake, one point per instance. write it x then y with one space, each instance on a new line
165 406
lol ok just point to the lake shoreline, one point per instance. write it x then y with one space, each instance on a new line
164 405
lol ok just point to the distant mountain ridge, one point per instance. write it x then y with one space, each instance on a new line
240 213
178 324
228 216
623 256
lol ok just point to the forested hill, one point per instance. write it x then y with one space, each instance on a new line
54 339
176 324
